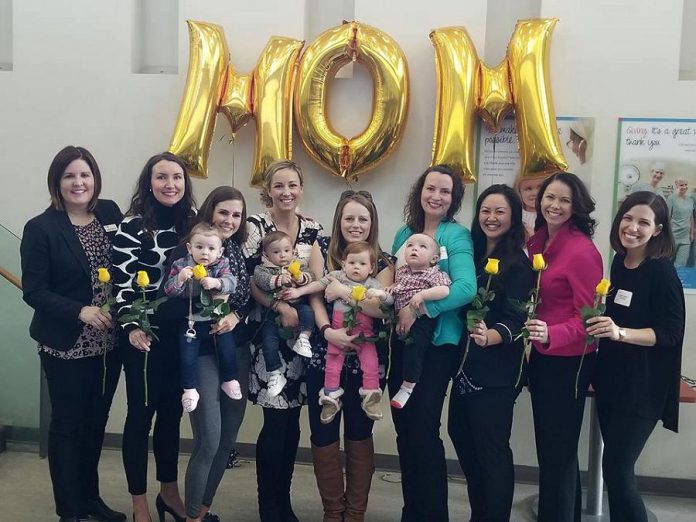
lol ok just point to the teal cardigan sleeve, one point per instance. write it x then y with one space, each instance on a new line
459 264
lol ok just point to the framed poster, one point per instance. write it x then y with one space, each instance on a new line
659 155
498 159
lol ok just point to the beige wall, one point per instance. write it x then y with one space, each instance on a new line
72 83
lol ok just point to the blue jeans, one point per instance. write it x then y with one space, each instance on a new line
270 337
226 351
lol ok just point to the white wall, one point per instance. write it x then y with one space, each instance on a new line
72 83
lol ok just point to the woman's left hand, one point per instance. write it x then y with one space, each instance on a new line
538 330
336 290
480 334
602 326
225 324
406 319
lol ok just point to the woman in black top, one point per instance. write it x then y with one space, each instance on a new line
158 216
485 390
639 362
61 250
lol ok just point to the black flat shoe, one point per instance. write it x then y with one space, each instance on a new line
163 508
98 510
210 517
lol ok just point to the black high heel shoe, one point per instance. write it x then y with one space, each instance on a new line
163 508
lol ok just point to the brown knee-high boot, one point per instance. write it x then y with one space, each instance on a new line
360 465
328 471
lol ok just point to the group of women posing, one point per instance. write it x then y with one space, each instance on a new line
635 371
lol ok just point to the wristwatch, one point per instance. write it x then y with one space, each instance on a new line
622 334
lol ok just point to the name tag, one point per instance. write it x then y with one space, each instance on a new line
110 228
443 252
623 298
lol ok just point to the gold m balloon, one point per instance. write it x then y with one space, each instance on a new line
384 59
466 86
213 86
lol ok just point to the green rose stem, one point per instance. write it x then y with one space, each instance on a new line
531 314
146 354
477 314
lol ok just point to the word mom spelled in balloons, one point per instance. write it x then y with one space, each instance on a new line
283 79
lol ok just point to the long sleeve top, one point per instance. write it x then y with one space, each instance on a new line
457 260
644 380
498 365
220 269
135 250
574 269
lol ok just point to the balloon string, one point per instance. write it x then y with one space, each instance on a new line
232 142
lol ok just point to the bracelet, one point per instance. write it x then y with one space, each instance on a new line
415 310
323 329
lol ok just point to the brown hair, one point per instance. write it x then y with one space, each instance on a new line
55 173
220 195
661 245
272 237
204 229
358 247
338 243
268 178
414 215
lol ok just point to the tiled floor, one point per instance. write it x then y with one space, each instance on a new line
25 493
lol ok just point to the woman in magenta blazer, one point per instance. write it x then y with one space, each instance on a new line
563 234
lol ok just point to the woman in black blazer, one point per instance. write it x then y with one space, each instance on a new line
61 250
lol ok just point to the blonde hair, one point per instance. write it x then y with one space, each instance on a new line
268 178
204 229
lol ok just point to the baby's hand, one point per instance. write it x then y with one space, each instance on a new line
285 279
211 283
185 274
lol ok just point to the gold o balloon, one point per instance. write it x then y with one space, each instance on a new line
386 63
466 86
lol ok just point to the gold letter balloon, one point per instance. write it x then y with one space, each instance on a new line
384 59
213 85
466 86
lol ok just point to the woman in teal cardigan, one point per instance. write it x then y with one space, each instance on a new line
434 200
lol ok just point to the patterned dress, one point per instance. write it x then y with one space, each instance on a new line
91 341
292 365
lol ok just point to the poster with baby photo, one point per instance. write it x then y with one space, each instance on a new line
659 155
499 159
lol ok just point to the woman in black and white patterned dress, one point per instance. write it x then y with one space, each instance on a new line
277 443
157 218
61 250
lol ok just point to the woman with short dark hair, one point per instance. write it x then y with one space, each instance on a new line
641 335
62 250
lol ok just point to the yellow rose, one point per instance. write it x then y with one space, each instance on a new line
492 266
603 287
358 293
199 272
142 279
294 269
538 262
103 275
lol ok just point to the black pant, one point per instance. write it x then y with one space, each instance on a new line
479 425
624 437
557 422
356 425
163 398
79 412
421 452
421 334
276 449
